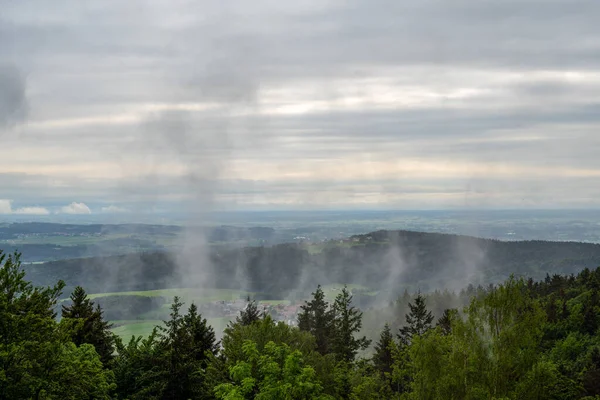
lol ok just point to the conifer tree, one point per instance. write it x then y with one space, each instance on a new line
92 329
590 320
382 359
317 318
418 320
551 310
187 341
445 321
249 314
346 323
36 359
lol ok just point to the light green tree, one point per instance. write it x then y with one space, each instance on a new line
276 372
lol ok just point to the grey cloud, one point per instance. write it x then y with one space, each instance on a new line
349 36
97 59
13 100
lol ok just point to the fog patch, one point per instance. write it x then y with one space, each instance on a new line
13 99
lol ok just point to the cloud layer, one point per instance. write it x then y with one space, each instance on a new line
413 104
6 209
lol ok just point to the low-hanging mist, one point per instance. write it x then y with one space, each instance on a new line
384 261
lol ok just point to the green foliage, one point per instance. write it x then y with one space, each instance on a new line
544 381
260 333
346 323
519 340
317 318
37 360
26 312
276 372
445 321
92 327
418 320
382 358
368 383
250 314
171 362
76 373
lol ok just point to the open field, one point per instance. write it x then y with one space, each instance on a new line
126 329
334 289
145 322
195 295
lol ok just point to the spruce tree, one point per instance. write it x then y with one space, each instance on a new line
92 327
418 320
445 321
36 360
249 314
590 320
382 359
346 323
186 344
317 318
551 310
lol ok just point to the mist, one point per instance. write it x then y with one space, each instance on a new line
199 108
13 98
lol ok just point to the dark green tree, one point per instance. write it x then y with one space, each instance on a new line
590 319
591 377
551 310
37 361
187 342
347 322
91 327
382 359
418 320
172 362
249 314
445 321
317 318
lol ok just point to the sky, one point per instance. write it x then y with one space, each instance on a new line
111 107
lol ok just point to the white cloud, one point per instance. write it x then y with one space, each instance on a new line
5 207
113 209
76 208
32 211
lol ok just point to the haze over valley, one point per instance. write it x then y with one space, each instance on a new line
300 200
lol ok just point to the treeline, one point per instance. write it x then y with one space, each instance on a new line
522 339
116 307
383 260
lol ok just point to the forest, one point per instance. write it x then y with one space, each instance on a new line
520 339
427 261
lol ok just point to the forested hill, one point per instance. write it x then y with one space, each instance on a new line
379 260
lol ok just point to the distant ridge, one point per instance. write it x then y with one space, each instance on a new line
382 260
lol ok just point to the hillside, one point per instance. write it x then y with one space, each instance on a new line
382 260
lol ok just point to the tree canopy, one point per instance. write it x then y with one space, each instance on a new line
522 339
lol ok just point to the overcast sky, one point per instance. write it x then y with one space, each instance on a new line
121 106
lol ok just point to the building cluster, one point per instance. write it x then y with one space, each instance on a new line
222 308
232 308
283 312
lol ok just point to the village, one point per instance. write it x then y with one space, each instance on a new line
287 313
